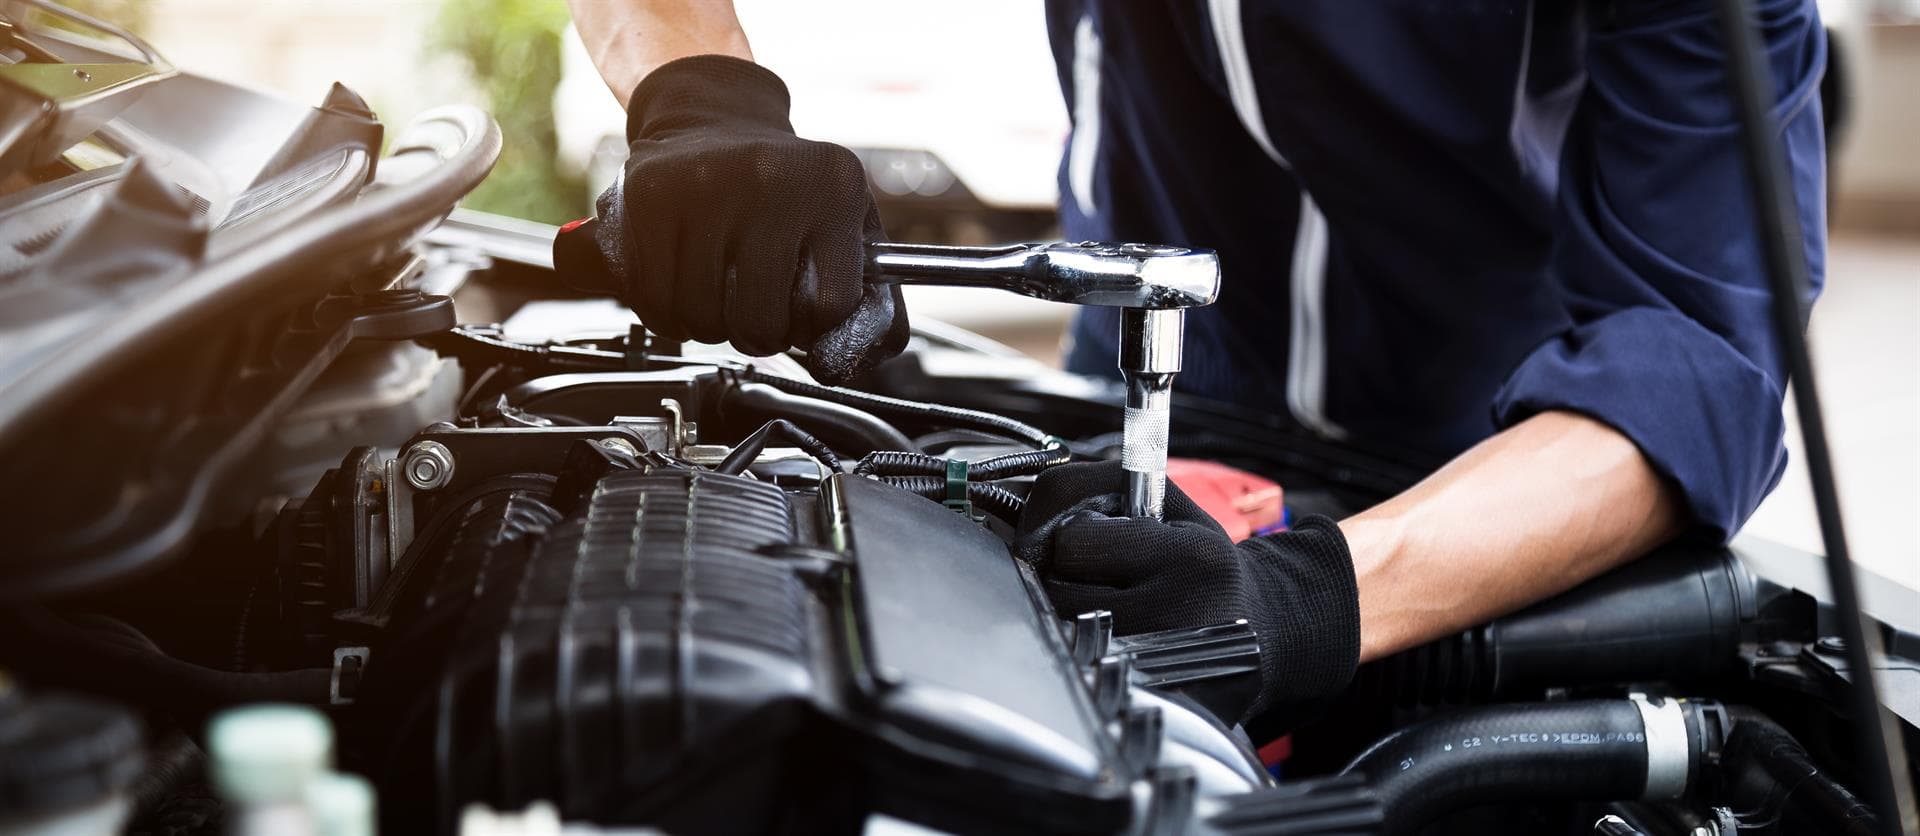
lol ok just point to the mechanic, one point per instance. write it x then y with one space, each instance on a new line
1516 234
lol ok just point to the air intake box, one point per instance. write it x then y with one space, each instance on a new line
712 654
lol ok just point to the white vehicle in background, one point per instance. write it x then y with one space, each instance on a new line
957 116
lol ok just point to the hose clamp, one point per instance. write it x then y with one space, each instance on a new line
1667 749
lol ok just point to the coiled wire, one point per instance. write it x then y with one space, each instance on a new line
993 499
900 463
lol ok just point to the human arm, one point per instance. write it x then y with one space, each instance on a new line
1532 511
1657 411
627 39
725 226
1552 501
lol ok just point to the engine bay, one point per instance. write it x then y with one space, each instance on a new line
284 427
603 611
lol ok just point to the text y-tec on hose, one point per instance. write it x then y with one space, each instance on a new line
1154 285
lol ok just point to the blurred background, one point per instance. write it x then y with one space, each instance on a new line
959 119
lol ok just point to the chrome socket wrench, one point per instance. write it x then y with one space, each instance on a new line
1153 284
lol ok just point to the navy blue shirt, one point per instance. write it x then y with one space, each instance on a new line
1439 217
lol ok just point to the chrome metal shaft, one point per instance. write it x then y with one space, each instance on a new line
1150 353
1153 286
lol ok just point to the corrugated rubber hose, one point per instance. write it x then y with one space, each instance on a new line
1599 750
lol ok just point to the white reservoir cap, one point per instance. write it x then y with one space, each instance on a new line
342 805
269 753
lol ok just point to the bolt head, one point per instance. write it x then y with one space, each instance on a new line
427 466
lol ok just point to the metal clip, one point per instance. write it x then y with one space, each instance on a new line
348 663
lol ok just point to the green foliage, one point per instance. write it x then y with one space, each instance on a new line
131 14
512 48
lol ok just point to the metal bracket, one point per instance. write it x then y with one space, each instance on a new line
348 663
399 512
685 432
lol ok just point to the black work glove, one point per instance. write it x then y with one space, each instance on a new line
737 230
1296 588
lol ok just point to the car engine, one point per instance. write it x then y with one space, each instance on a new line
283 428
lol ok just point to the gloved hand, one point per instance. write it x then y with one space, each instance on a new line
734 229
1296 588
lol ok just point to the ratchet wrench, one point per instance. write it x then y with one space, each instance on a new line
1152 285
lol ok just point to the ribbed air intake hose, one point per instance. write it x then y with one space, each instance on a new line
1679 615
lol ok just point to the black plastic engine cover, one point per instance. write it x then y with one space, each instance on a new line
710 654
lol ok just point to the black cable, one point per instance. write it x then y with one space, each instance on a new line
1770 783
902 463
897 408
749 448
848 429
174 763
470 343
1615 826
54 652
479 385
240 657
1777 220
993 499
1024 463
942 439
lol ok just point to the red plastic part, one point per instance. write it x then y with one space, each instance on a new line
1277 751
1241 502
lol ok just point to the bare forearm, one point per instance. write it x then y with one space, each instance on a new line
1528 513
629 38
